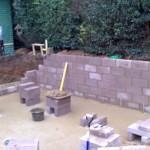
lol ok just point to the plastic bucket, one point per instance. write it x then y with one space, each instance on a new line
37 114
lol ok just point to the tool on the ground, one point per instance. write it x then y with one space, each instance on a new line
63 77
89 119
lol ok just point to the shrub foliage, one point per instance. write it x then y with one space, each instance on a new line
98 26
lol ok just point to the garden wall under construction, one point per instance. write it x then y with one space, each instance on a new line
116 81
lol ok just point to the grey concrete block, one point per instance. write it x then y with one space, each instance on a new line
21 88
145 126
101 131
33 101
102 120
83 120
145 140
131 136
31 92
62 111
24 80
12 89
54 103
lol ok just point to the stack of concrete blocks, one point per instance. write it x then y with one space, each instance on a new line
8 90
58 105
137 147
30 76
100 136
139 129
100 120
29 93
23 145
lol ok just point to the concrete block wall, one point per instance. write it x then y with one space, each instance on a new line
115 81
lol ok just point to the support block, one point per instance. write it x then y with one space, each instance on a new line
145 140
58 105
145 126
33 101
22 87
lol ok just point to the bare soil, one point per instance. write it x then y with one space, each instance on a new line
12 68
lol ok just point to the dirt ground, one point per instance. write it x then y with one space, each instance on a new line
12 68
64 132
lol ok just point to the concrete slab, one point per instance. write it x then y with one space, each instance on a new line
59 133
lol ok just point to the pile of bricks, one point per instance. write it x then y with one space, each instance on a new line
29 93
58 105
101 135
139 129
23 145
139 147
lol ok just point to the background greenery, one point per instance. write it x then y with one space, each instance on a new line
96 26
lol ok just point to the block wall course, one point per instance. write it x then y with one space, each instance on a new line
140 65
79 66
140 83
91 82
95 61
133 90
140 99
118 87
95 76
123 63
80 60
123 96
146 75
104 85
117 71
109 62
133 73
109 78
115 81
109 93
123 80
71 58
90 68
52 69
103 70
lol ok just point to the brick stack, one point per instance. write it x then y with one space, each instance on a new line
29 93
58 105
23 145
140 128
100 136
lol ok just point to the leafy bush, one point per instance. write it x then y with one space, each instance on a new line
97 26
